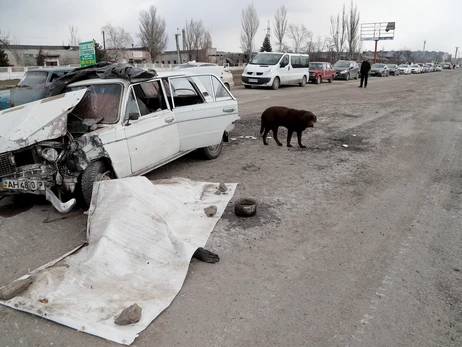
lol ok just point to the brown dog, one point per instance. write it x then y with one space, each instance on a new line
292 119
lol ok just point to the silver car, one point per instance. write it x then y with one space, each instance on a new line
379 70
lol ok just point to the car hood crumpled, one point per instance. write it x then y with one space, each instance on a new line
37 121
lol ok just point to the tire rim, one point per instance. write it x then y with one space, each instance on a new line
214 149
105 176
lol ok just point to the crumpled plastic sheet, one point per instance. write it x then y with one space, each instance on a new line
141 237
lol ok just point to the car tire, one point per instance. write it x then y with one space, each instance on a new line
347 77
247 87
318 80
357 76
276 83
212 152
95 172
331 79
303 83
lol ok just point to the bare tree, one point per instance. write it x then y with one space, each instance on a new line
250 23
398 56
280 25
152 32
353 30
299 35
197 40
66 60
338 30
118 40
74 39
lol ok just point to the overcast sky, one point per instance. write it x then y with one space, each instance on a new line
46 22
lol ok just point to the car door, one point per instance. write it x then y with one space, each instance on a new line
203 109
284 70
150 126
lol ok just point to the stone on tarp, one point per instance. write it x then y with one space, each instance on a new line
210 211
128 316
222 187
14 288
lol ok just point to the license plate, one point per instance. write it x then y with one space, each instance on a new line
253 80
23 185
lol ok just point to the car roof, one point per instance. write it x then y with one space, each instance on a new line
52 69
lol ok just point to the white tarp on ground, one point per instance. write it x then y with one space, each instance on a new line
141 239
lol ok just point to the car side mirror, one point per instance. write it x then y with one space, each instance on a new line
281 64
133 116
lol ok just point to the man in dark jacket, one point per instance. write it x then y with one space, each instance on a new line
365 68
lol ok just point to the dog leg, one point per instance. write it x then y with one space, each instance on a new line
275 135
299 136
205 255
289 137
264 136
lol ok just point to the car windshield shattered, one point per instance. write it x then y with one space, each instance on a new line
314 66
101 101
33 78
266 59
342 64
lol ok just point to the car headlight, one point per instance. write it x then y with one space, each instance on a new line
267 71
50 154
344 71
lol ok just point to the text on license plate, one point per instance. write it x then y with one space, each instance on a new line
23 185
253 80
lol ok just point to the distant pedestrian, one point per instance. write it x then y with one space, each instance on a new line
365 68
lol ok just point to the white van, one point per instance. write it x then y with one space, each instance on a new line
272 69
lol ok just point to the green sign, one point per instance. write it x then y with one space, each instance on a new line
87 53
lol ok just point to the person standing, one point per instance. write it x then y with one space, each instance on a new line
365 68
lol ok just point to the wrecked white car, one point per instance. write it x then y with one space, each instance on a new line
104 127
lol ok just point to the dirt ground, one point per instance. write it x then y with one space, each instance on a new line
351 246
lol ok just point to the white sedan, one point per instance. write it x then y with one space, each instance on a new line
416 68
404 69
99 128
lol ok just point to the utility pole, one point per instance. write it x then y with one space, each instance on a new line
178 45
425 42
104 41
455 56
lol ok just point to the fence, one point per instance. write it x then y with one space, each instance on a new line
17 72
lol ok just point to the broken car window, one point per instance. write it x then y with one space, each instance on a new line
100 101
185 92
221 93
33 78
150 97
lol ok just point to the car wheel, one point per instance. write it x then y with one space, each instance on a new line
347 77
212 152
331 79
276 83
357 76
303 83
247 87
318 80
95 172
227 86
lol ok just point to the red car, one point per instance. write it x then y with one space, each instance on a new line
320 71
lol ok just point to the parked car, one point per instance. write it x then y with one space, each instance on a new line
220 71
422 67
113 127
273 69
439 67
415 69
393 69
447 66
404 69
34 84
430 66
379 70
321 71
346 69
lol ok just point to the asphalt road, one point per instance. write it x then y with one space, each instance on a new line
351 246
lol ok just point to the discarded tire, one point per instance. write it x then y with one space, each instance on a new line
245 207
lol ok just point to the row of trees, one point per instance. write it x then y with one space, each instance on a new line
344 33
